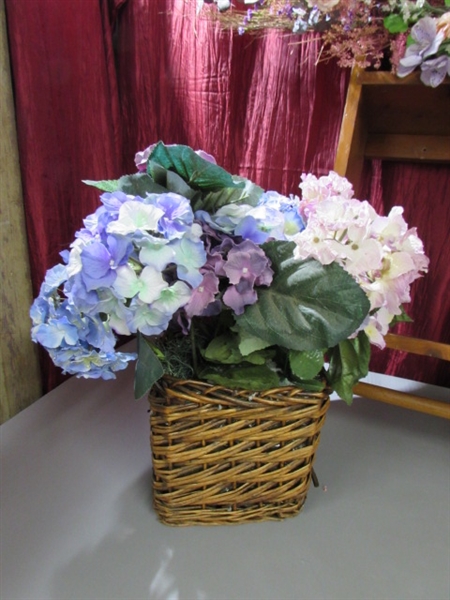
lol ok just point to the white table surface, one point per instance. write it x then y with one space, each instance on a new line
77 521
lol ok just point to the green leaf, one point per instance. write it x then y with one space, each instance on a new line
225 349
169 181
176 184
148 368
403 317
447 2
250 195
395 24
309 385
107 185
157 172
195 171
139 184
349 362
444 48
246 377
251 192
249 343
306 365
308 306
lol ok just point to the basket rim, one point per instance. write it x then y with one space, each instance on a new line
289 394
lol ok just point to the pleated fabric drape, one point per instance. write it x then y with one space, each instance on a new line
68 122
97 80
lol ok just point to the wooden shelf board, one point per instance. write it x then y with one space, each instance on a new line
423 148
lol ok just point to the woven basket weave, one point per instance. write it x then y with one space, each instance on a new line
231 456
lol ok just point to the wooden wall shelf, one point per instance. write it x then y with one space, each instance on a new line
391 118
396 119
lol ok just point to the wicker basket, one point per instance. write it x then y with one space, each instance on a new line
231 456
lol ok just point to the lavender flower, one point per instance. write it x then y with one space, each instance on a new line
203 296
245 267
238 296
434 70
427 41
247 261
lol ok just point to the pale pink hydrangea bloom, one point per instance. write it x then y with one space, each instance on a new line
381 253
316 190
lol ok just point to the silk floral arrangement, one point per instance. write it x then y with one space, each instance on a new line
414 34
222 281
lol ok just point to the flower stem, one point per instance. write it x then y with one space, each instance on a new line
194 349
437 10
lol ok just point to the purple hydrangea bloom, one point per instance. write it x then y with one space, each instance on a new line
247 261
246 265
203 295
216 256
237 297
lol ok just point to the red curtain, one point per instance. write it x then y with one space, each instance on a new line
261 106
68 124
99 80
424 192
